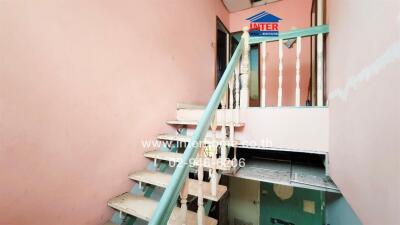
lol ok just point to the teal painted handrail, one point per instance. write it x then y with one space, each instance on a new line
292 34
168 200
170 196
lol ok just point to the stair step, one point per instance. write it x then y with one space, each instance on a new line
176 157
189 106
163 179
144 208
195 122
186 138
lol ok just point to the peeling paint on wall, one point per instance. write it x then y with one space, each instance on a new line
391 55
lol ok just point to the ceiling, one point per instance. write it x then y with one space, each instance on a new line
237 5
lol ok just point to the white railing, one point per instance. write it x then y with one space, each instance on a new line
297 36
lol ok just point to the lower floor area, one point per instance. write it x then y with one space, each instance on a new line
253 202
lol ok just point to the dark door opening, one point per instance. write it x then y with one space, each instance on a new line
222 51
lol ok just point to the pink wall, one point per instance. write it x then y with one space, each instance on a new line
81 84
295 13
363 75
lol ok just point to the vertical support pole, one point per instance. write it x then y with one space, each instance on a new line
235 159
298 51
184 195
214 148
200 176
232 115
231 133
231 87
320 55
224 104
263 72
320 71
280 69
245 69
237 96
155 164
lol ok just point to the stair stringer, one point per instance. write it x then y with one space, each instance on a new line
149 191
155 192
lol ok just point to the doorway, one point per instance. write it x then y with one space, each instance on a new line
222 50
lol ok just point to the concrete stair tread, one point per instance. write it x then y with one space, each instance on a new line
195 122
163 179
176 157
182 105
143 208
186 138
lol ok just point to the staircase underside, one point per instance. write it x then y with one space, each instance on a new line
286 173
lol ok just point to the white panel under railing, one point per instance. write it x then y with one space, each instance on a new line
296 129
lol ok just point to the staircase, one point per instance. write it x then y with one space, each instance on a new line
205 150
143 207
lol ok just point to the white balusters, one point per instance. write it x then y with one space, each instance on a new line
320 55
237 96
223 125
245 70
231 86
213 149
298 51
320 71
263 59
200 176
280 46
232 115
184 195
